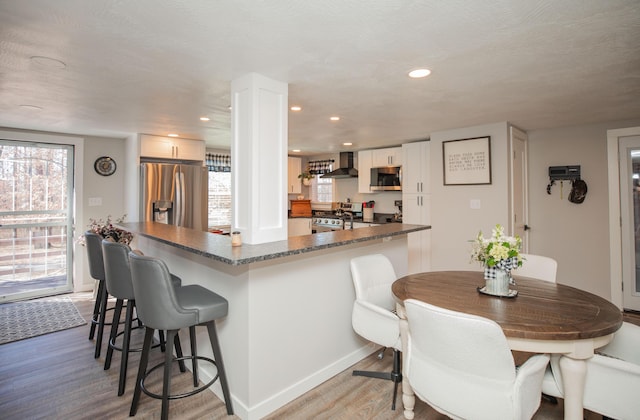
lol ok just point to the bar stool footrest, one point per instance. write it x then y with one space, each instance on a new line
96 322
112 343
186 394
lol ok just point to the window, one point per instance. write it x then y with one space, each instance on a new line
321 189
219 210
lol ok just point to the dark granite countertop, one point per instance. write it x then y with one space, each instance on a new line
218 247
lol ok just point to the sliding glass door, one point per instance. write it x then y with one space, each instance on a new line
630 220
36 235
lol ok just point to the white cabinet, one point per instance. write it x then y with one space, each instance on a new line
171 148
294 169
416 203
386 157
364 171
299 226
415 168
416 209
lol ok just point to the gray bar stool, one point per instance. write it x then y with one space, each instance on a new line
96 269
118 280
161 307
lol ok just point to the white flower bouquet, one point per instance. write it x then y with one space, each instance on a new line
498 252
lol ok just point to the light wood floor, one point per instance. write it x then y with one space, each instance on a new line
55 376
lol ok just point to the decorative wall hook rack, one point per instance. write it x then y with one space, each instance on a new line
568 173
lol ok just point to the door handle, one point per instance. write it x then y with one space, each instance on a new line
527 227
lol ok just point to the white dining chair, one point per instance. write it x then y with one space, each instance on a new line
373 316
613 376
461 365
537 267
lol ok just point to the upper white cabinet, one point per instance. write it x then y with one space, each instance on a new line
364 171
386 157
294 169
415 168
171 148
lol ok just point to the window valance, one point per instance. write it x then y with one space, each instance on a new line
320 167
216 162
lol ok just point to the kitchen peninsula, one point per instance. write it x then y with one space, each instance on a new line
289 322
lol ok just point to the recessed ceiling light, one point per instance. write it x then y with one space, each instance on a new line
296 108
347 144
296 150
172 135
48 62
205 119
418 73
335 118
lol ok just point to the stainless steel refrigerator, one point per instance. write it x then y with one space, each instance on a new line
175 194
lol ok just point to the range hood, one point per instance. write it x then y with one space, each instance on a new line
346 169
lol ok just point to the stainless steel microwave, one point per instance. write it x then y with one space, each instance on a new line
387 178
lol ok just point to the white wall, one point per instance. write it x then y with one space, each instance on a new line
453 222
109 189
576 235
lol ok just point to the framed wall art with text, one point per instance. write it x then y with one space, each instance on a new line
467 161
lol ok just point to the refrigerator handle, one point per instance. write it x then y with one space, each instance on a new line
179 201
183 201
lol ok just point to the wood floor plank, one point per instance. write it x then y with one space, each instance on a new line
55 376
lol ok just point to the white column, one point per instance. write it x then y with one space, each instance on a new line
259 158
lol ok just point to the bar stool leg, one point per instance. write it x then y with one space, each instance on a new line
163 347
96 309
126 341
144 361
101 317
179 355
166 380
114 332
194 351
217 354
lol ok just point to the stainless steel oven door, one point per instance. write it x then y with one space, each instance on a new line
320 229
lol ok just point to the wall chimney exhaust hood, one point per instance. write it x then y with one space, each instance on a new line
346 169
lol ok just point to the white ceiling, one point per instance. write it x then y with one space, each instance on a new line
156 66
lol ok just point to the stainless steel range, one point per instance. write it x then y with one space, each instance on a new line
326 223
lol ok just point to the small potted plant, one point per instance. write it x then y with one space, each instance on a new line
306 178
106 229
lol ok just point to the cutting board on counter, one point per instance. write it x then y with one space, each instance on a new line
300 208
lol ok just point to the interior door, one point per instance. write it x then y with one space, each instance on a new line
519 193
630 220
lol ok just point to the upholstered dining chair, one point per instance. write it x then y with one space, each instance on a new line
537 267
373 316
461 365
613 376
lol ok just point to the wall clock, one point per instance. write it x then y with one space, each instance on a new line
105 166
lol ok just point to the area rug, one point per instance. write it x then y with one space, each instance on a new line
20 320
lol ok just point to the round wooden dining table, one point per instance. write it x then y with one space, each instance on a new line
543 317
